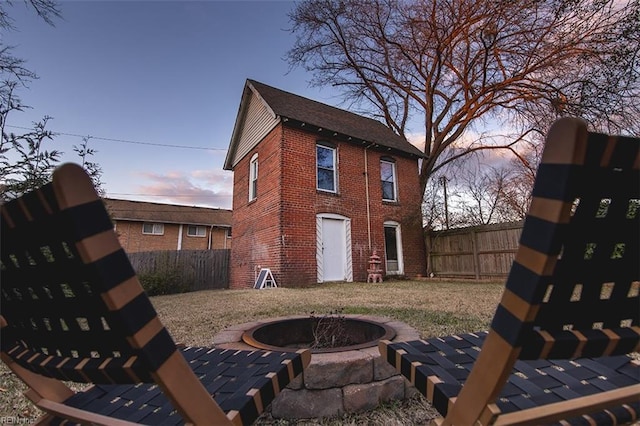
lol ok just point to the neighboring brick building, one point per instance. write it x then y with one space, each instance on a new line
317 189
143 226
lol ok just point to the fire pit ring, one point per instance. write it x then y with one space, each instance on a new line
296 333
343 381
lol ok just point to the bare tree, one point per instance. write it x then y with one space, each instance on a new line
484 191
25 163
93 169
13 68
30 165
434 205
486 195
517 189
13 71
434 211
455 66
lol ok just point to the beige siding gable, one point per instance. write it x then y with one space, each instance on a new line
256 122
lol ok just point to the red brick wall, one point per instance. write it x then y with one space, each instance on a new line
298 209
193 242
278 229
256 224
133 240
407 212
301 206
219 239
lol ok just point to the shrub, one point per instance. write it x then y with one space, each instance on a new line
161 282
330 331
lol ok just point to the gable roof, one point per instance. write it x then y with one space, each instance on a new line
297 111
142 211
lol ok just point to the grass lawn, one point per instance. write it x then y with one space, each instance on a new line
432 307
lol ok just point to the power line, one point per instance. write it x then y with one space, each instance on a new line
170 195
127 141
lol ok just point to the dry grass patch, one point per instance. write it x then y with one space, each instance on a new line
433 308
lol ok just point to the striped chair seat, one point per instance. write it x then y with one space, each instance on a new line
559 343
73 309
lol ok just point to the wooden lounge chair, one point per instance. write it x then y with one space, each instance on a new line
73 310
556 349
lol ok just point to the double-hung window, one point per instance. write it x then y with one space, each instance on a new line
153 228
196 231
388 178
253 178
326 168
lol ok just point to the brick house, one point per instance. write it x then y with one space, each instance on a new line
143 226
317 189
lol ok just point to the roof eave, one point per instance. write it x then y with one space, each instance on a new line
242 108
292 122
172 222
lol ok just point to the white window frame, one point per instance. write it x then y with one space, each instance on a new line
197 229
334 152
253 177
156 228
394 177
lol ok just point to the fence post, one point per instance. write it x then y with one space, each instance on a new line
476 256
455 258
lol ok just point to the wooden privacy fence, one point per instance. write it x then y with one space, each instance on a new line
480 252
196 269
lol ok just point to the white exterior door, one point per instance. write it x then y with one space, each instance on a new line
393 248
334 249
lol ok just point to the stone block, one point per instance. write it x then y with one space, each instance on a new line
337 369
360 397
392 388
404 332
236 346
382 369
367 396
406 336
242 327
228 336
382 320
306 404
297 383
410 391
371 351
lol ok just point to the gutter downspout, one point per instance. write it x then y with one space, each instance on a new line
366 181
210 238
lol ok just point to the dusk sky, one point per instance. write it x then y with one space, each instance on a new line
137 75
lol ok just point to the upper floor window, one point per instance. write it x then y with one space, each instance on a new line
388 177
196 231
326 168
153 228
253 178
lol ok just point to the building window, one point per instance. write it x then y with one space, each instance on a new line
196 231
326 168
388 177
153 228
253 178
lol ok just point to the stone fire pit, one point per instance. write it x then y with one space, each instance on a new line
338 380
